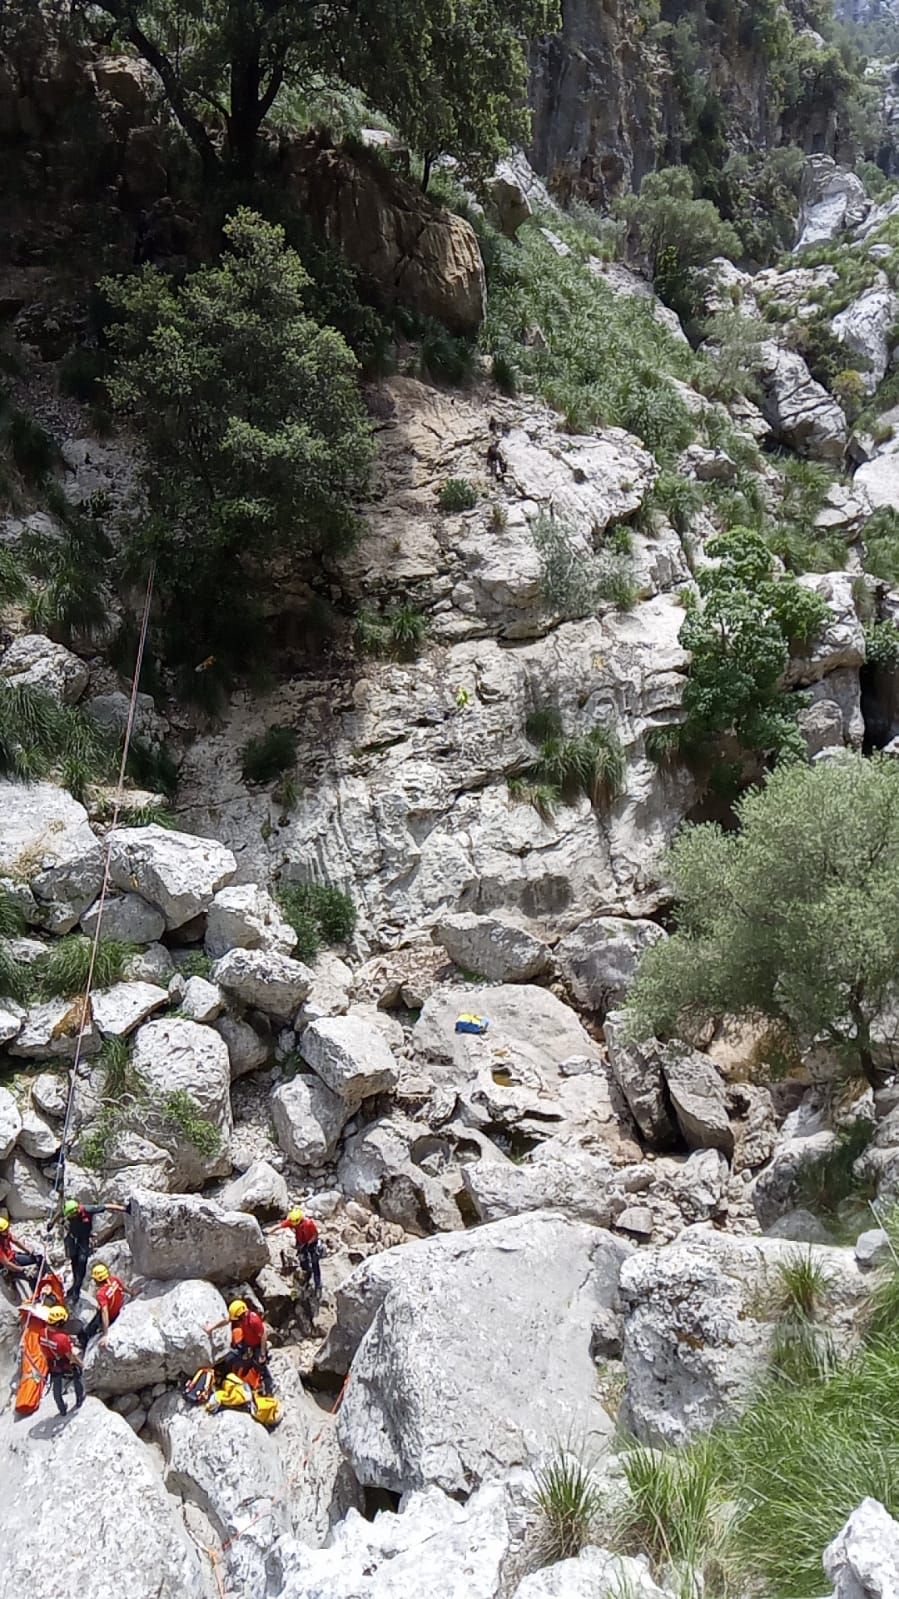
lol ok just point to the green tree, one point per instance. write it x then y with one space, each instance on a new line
676 232
256 443
739 634
452 74
795 918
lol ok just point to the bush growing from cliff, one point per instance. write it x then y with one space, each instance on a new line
319 915
795 918
256 444
265 758
573 584
676 233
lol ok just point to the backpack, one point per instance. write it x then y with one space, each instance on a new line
199 1389
471 1024
266 1410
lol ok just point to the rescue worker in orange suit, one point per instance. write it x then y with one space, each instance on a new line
63 1363
249 1342
15 1261
305 1235
111 1294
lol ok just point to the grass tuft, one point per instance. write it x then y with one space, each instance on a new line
266 758
568 1500
319 914
457 494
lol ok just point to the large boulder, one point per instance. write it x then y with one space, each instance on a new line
701 1315
46 839
177 872
698 1098
244 916
125 916
405 1172
800 411
108 1512
880 480
474 1352
352 1058
832 199
309 1119
177 1057
176 1236
494 946
593 1574
415 253
863 1560
10 1122
259 1189
599 959
639 1072
50 1031
34 661
779 1185
246 1048
265 979
555 1178
841 641
865 328
118 1010
158 1337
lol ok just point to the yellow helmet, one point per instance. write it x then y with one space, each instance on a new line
4 1224
57 1314
237 1308
100 1273
295 1216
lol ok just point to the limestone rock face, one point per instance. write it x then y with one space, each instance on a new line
46 839
10 1122
176 1236
265 979
555 1178
308 1119
864 1556
260 1190
175 1056
801 412
865 326
698 1098
117 1011
50 1032
441 1394
245 916
599 959
128 917
158 1337
177 872
350 1057
108 1512
417 254
34 661
493 946
832 201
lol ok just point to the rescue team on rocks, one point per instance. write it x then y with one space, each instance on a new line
241 1379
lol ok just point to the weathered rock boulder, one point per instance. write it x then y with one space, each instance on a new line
415 253
264 979
108 1512
177 1236
125 916
863 1560
117 1011
309 1119
201 1001
50 1032
865 327
259 1190
177 1057
778 1187
593 1574
880 480
33 661
496 946
10 1122
246 1048
800 411
244 916
158 1337
599 959
441 1394
833 199
350 1057
639 1072
841 642
554 1178
404 1171
698 1099
177 872
47 840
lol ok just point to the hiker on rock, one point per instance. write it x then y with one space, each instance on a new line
79 1224
496 461
249 1342
16 1262
309 1249
63 1363
111 1295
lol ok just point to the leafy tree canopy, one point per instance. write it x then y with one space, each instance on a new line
255 438
452 74
676 232
795 918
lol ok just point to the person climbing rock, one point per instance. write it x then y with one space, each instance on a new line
249 1342
16 1262
63 1364
79 1223
111 1295
496 461
309 1249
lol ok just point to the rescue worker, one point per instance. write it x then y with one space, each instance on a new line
79 1225
15 1261
305 1235
63 1364
111 1295
496 461
249 1342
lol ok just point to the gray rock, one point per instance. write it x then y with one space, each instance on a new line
176 1056
776 1188
151 965
637 1220
599 960
37 1138
388 1165
48 1093
555 1178
126 916
508 201
117 1011
46 839
330 992
351 1058
27 1189
109 1511
201 1001
799 1226
308 1119
800 411
157 1337
822 726
880 480
247 1050
872 1248
10 1122
244 916
177 872
863 1560
260 1189
638 1069
865 327
698 1098
264 979
176 1236
841 642
50 1032
495 946
12 1019
594 1574
110 711
833 200
440 1395
33 661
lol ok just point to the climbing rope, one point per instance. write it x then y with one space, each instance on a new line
85 1019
